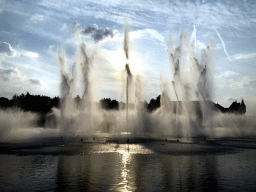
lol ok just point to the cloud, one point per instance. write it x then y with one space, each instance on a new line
14 75
10 73
223 44
64 27
94 32
14 81
32 54
217 46
90 30
141 13
148 34
34 81
36 18
238 83
244 82
155 34
7 33
244 56
250 83
232 99
231 80
2 5
101 34
227 74
52 50
5 73
200 45
7 50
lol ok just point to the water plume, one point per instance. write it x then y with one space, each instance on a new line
185 110
86 65
127 69
173 84
126 40
17 126
193 37
180 118
195 83
66 96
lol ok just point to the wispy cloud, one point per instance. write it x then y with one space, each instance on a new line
52 50
34 81
200 45
6 50
14 79
207 14
227 74
32 54
228 82
155 34
2 5
149 20
36 18
7 33
251 83
223 44
231 99
244 56
149 34
64 27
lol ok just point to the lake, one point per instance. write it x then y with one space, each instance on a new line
75 165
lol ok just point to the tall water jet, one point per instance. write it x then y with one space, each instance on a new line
86 66
176 118
66 96
177 56
128 71
73 117
187 87
128 79
205 87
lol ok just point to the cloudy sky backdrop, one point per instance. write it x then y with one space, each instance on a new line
32 31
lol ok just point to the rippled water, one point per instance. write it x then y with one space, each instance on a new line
73 165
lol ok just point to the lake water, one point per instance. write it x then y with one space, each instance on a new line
74 165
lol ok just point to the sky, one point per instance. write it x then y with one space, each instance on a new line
32 32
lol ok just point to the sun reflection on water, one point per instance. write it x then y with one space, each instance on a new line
126 158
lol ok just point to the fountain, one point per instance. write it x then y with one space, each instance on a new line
185 114
128 74
186 110
96 149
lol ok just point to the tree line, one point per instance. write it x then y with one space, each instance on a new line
44 104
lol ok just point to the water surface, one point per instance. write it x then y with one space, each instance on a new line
74 165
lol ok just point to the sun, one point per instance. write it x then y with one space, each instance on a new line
118 60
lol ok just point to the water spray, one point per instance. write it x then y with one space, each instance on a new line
127 69
175 90
176 108
86 65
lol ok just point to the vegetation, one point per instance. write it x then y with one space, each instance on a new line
44 104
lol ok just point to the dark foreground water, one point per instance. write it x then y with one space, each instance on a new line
74 165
